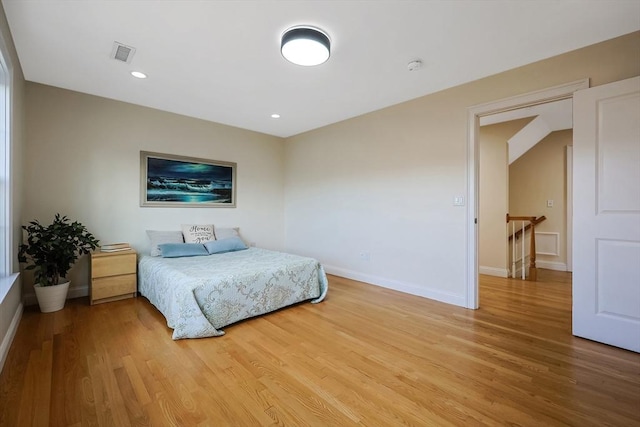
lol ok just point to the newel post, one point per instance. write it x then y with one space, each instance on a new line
533 271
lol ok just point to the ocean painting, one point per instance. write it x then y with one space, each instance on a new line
168 180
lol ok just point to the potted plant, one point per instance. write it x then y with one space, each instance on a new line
51 251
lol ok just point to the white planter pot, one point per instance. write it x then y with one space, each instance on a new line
51 298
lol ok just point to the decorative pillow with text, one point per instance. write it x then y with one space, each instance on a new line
198 233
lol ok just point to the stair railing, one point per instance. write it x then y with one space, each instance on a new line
526 223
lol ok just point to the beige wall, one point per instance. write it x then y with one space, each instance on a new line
383 183
540 175
371 197
83 160
10 297
494 195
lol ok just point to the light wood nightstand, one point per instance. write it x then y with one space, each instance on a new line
113 276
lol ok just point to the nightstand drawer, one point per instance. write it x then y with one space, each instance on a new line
113 265
107 287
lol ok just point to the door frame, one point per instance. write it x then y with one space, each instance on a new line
569 181
474 113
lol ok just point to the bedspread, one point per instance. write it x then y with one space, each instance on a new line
200 295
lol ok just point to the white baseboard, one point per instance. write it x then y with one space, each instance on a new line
8 337
492 271
408 288
546 265
76 292
551 265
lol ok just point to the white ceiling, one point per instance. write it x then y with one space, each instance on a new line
220 60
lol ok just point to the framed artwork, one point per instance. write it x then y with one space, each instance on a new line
167 180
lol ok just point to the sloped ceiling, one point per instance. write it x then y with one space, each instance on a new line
549 117
220 60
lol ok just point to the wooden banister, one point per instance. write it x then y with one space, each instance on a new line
533 221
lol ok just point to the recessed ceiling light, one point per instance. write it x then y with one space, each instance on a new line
307 46
138 75
275 116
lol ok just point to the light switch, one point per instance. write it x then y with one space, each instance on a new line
549 203
458 201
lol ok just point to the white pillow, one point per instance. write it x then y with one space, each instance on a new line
161 237
225 233
198 233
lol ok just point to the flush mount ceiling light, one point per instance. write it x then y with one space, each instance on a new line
307 46
138 75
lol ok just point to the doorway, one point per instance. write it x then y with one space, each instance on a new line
523 171
473 123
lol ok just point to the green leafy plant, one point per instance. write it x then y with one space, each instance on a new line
51 250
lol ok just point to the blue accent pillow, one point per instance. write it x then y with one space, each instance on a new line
177 250
230 244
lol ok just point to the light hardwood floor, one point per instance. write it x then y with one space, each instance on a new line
365 356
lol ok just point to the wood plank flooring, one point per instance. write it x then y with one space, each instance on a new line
366 356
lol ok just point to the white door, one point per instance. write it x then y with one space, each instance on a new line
606 214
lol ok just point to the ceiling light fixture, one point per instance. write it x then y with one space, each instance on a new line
138 75
275 116
307 46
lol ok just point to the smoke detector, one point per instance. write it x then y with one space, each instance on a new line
123 53
414 65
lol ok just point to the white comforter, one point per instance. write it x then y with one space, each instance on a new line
200 295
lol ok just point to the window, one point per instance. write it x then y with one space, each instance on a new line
5 165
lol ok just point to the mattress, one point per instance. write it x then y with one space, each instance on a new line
200 295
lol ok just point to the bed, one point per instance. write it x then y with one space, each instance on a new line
200 295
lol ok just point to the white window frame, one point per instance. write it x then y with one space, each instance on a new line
6 188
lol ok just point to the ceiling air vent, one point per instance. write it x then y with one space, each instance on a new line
122 52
